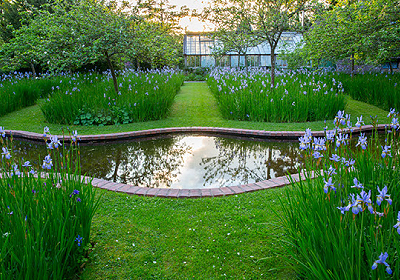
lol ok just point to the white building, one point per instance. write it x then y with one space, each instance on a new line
197 50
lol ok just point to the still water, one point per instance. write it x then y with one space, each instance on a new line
181 161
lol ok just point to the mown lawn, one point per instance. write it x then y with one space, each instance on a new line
236 237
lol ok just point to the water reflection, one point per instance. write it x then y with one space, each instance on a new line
183 161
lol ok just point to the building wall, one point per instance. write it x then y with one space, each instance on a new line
198 52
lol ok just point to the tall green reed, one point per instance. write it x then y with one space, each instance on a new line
379 89
296 97
342 224
91 99
45 215
20 91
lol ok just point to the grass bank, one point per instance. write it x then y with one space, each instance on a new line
194 106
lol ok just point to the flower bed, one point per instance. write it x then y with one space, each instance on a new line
345 224
379 89
19 91
45 218
296 97
90 99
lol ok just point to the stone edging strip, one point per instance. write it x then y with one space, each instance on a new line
277 135
195 193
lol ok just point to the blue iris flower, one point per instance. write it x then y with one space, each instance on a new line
382 260
357 184
362 141
397 225
386 151
329 184
335 157
360 122
383 196
79 240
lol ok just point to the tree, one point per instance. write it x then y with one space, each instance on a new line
367 30
160 44
271 18
233 28
72 36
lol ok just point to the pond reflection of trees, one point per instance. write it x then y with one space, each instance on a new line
250 161
150 163
161 162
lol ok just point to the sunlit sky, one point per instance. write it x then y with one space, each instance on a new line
193 24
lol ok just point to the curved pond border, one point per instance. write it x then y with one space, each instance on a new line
194 193
275 135
191 193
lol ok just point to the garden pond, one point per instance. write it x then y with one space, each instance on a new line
180 161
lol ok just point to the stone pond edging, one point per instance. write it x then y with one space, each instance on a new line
190 193
263 134
195 193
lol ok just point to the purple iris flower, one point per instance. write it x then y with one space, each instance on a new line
395 123
360 122
317 155
329 184
319 144
79 240
47 162
330 135
355 205
386 151
383 196
357 184
331 171
335 157
366 198
5 153
397 225
392 113
382 260
362 141
45 131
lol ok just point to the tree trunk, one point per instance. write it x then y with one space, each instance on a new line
112 72
273 66
33 70
390 67
352 65
238 60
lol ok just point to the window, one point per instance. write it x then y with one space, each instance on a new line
193 61
253 60
223 61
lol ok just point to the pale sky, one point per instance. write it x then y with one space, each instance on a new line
193 24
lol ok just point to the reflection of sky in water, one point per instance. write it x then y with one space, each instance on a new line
184 161
191 173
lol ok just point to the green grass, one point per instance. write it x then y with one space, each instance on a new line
208 238
194 106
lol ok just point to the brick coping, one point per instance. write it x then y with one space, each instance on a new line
262 134
195 193
191 193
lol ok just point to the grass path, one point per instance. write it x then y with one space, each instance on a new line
194 106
